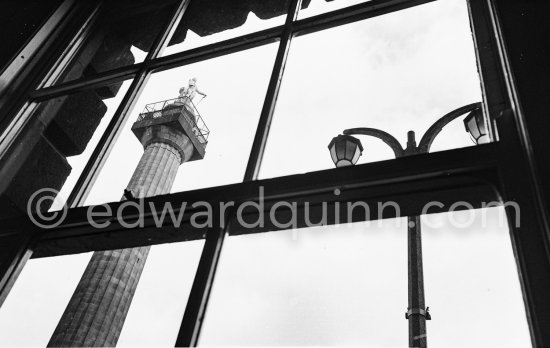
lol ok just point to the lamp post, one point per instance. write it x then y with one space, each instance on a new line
345 150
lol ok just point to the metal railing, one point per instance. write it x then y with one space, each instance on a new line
183 105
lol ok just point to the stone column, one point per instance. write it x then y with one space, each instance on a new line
96 312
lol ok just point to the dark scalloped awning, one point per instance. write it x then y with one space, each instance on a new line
204 17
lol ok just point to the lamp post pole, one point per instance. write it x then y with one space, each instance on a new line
417 312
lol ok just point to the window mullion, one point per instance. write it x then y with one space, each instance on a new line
101 152
100 79
352 14
193 317
493 86
164 36
266 116
73 47
108 139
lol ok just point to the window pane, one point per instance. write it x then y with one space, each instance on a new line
316 7
397 72
471 281
59 138
155 315
344 285
38 299
210 21
235 86
122 35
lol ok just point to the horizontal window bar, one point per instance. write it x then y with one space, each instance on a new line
202 53
117 75
467 174
218 49
352 14
309 25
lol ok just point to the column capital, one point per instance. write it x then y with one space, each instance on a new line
173 125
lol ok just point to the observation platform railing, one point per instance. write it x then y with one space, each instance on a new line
174 106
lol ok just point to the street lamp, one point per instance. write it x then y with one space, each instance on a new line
475 126
345 150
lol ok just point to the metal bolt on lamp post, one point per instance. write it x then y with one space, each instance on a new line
345 150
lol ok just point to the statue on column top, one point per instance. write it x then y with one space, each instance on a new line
187 94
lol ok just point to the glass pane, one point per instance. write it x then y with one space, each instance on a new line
38 298
122 35
343 285
30 316
316 7
235 86
211 21
57 142
471 281
397 72
155 315
347 285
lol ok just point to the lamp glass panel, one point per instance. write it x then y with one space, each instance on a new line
344 163
351 148
333 153
340 149
356 155
481 125
396 72
484 139
473 127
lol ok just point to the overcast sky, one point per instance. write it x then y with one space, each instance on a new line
343 285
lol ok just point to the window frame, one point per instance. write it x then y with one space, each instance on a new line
480 173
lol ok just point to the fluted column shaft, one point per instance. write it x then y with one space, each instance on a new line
96 312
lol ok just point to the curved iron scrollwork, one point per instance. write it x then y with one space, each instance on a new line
377 133
433 131
427 138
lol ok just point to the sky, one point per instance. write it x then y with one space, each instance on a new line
335 285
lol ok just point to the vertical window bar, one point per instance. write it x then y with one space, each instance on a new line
493 87
20 253
264 124
534 219
72 48
33 46
20 77
162 41
14 103
193 317
101 152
